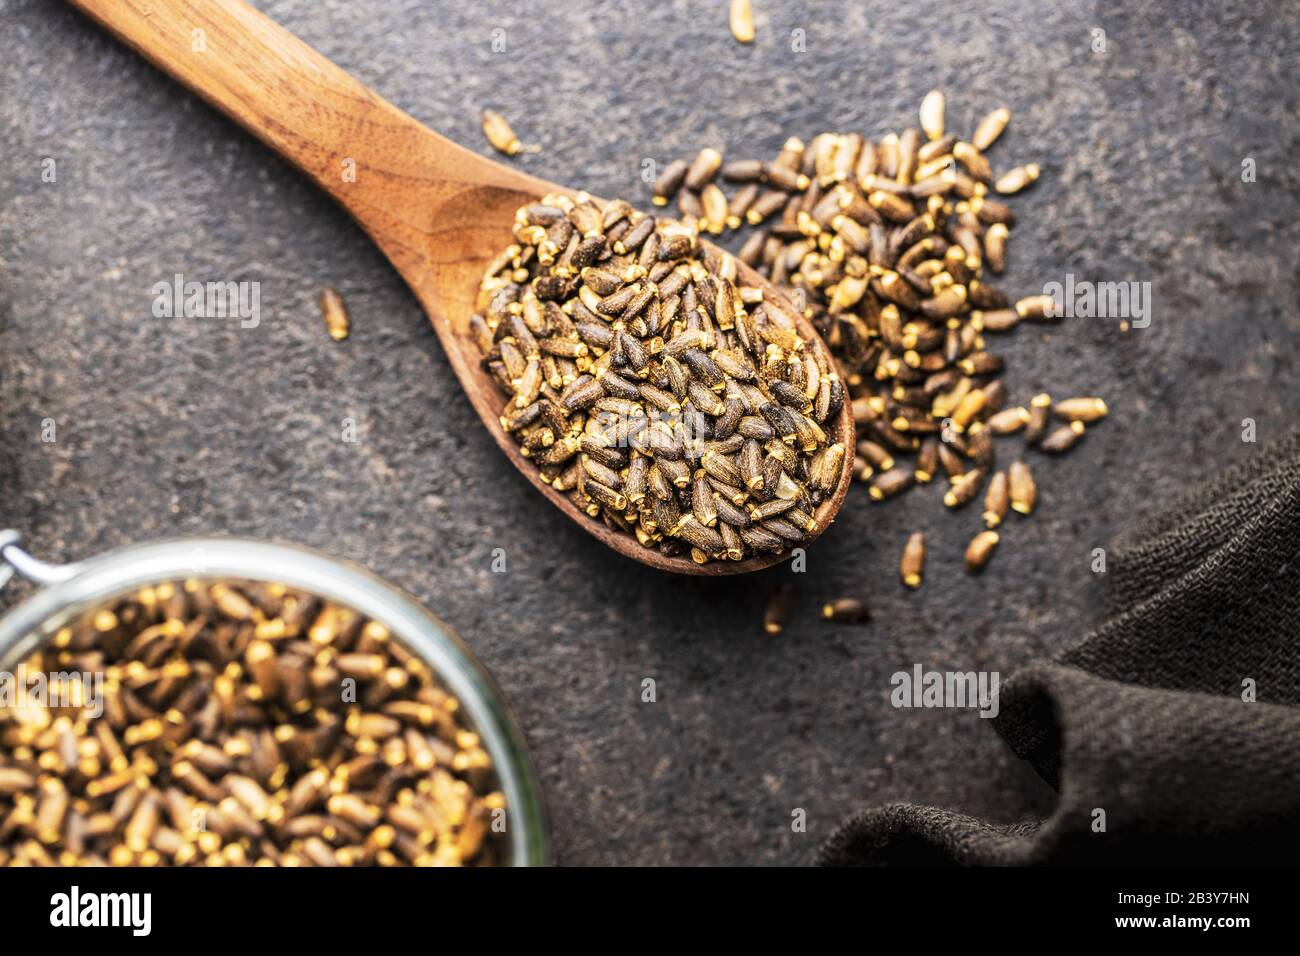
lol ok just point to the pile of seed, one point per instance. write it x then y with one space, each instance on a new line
661 397
241 725
885 246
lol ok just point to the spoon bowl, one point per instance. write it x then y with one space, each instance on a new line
438 211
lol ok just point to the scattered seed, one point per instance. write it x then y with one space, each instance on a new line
702 170
1016 179
890 483
778 609
979 446
714 202
1080 409
912 566
927 461
1009 420
975 162
499 134
335 314
1023 490
998 320
877 455
1037 308
1036 427
690 206
742 21
669 180
954 465
1062 439
964 489
932 110
890 245
995 247
990 128
996 499
980 550
846 611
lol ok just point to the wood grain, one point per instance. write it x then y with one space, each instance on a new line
438 211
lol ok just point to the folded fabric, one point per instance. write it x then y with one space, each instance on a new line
1172 732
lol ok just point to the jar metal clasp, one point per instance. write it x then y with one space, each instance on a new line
14 558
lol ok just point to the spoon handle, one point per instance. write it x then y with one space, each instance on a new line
389 171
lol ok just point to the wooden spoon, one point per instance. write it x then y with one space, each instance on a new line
438 211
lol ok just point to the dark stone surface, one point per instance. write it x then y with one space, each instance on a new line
173 427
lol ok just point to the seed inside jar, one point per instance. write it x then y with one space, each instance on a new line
236 724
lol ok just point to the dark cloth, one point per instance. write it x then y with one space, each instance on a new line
1145 718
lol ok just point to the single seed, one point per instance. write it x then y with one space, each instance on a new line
995 246
1016 179
1009 420
14 780
927 460
706 164
231 603
980 550
846 610
891 483
499 134
954 466
932 110
1037 308
744 170
1023 490
714 202
335 314
912 565
1039 409
742 21
964 489
1063 439
990 128
877 455
996 500
1080 409
975 162
669 180
972 404
778 609
998 320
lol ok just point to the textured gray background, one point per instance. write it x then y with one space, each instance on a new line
171 427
